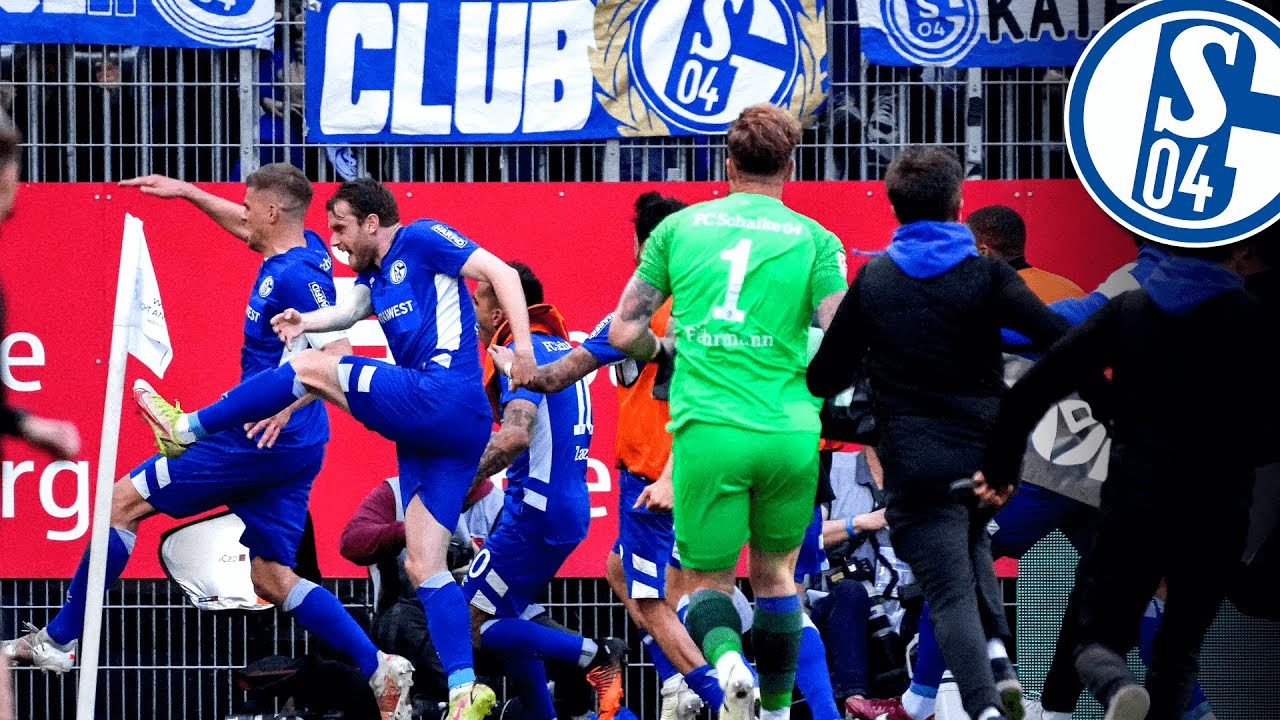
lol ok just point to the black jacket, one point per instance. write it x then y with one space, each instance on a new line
1193 396
932 353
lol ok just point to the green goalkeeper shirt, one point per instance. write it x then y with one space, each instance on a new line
745 274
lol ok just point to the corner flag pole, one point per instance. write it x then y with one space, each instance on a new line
121 327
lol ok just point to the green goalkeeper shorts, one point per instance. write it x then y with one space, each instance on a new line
734 485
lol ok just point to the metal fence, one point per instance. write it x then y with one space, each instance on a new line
95 113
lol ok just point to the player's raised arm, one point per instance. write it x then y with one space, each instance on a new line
485 267
552 377
355 306
224 212
512 438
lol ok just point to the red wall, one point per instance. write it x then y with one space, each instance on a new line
62 250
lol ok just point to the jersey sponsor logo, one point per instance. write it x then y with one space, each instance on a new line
447 233
252 314
600 326
398 272
1172 120
556 345
395 311
268 284
317 294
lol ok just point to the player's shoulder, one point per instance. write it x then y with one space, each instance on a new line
310 259
433 230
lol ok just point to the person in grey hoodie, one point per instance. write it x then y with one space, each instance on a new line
924 321
1188 371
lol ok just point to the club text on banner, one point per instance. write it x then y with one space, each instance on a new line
451 71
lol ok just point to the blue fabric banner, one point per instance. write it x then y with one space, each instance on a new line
981 33
547 70
154 23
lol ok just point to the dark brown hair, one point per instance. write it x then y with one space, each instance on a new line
924 184
762 139
366 197
1001 228
651 209
286 180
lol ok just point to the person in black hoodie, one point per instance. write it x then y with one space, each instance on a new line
1188 372
924 320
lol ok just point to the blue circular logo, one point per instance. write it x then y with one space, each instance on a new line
697 65
224 23
931 33
1172 120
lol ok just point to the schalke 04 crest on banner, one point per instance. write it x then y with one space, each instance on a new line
382 70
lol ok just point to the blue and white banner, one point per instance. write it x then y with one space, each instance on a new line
981 33
152 23
545 70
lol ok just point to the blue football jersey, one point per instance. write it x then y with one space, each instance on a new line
423 303
547 484
302 279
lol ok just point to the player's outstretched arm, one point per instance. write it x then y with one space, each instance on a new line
484 265
511 439
351 308
553 377
224 212
630 330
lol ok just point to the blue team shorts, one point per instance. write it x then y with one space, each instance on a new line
509 575
267 489
645 541
440 428
812 556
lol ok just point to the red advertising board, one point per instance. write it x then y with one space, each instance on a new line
62 250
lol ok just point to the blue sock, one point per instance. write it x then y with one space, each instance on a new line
703 682
929 663
529 676
257 398
68 624
1151 620
513 637
317 610
665 669
813 677
449 623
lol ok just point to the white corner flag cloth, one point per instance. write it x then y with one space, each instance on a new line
148 334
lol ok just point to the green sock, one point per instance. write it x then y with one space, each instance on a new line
776 636
714 624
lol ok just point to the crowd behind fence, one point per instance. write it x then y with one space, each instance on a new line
102 113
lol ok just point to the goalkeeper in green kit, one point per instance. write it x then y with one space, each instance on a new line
745 275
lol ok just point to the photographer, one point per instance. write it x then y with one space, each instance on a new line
863 603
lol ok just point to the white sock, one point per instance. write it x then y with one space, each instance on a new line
589 650
996 649
726 662
990 713
918 706
182 431
782 714
455 693
1055 715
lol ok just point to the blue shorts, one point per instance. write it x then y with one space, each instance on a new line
267 489
440 428
812 556
1032 513
645 541
510 573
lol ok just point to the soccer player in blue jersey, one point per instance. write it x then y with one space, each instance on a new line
263 471
543 443
431 403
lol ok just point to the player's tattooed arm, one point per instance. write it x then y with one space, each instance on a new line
552 377
510 440
630 331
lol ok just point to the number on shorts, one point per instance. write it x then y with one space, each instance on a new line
479 564
737 257
584 425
